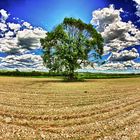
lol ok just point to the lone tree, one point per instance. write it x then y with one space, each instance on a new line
70 45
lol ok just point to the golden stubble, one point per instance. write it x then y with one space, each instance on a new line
41 108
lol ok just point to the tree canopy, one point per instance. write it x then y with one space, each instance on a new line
69 45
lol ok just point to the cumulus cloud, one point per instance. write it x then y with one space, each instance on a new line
30 38
19 37
27 25
3 27
137 1
119 30
126 65
138 10
4 15
138 7
13 26
9 45
116 33
19 41
103 17
125 55
25 61
9 34
23 42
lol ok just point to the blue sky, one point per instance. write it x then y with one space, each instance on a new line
49 13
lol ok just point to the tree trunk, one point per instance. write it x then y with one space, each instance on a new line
71 77
71 73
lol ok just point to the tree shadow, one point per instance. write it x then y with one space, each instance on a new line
47 81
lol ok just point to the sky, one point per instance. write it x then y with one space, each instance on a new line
49 13
28 20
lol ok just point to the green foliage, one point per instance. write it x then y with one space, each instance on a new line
80 76
105 75
68 46
18 73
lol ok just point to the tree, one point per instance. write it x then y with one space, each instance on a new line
70 45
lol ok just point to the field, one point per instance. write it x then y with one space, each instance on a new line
45 108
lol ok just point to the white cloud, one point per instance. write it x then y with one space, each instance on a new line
120 31
125 55
128 65
138 7
137 1
9 45
25 61
103 17
19 41
13 26
4 15
24 41
116 33
3 27
30 38
9 34
27 25
138 10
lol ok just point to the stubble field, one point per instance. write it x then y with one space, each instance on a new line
40 108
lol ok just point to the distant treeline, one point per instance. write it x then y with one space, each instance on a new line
27 74
86 75
106 76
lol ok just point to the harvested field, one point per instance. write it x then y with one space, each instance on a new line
39 108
